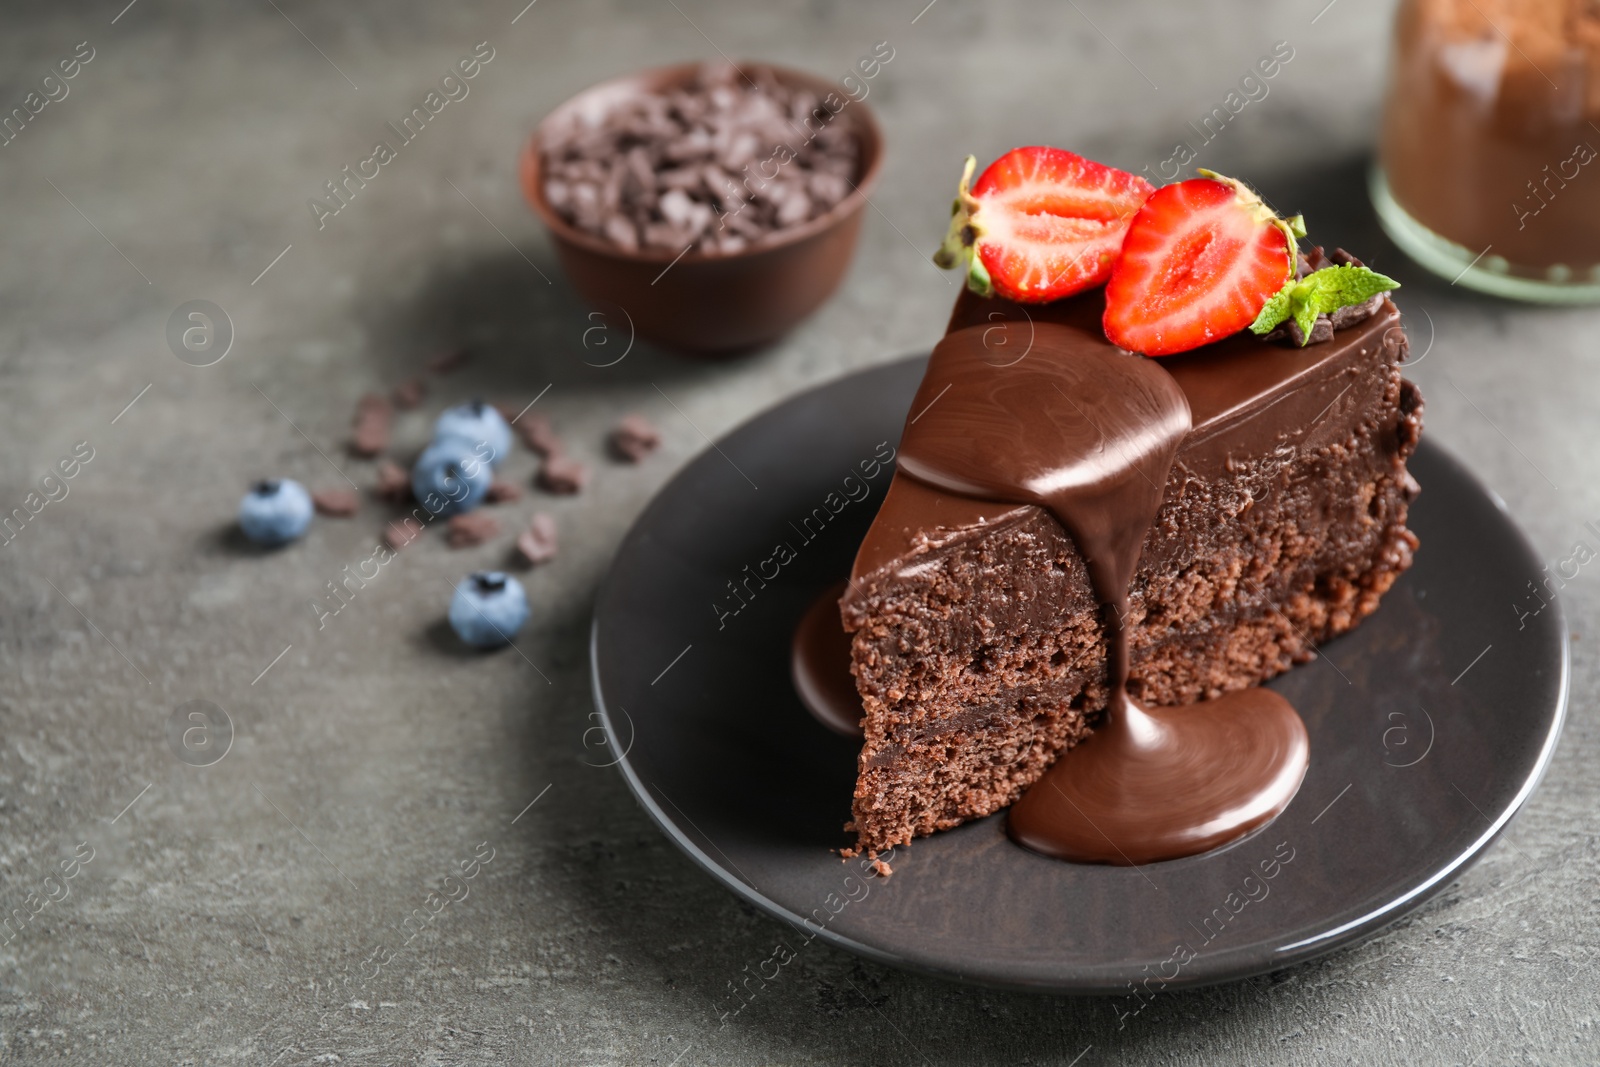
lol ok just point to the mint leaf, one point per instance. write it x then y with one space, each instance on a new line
1319 293
1275 311
1347 286
1305 312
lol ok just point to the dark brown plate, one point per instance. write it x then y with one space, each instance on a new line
1430 725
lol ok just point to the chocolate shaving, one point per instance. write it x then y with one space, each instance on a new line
538 542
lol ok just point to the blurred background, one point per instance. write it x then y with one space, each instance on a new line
228 900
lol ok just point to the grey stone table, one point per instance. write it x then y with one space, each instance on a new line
235 913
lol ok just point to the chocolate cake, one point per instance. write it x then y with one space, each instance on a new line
981 648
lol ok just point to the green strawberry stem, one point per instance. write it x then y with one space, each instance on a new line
960 240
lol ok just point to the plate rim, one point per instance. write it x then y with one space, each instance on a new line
1303 951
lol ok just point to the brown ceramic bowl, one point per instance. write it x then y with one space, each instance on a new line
707 302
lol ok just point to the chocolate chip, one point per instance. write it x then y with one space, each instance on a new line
562 474
336 503
447 361
538 542
394 484
1321 330
674 170
502 491
408 394
373 419
537 434
401 532
634 438
1348 316
473 528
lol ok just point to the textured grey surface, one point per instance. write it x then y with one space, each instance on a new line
227 912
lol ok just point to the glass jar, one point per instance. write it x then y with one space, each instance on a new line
1488 169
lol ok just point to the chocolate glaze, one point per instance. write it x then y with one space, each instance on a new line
819 664
1090 433
1242 396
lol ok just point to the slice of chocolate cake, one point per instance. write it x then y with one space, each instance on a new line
978 641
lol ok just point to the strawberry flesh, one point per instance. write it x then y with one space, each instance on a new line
1199 262
1046 223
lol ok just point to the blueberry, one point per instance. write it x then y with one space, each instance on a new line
451 476
477 422
488 609
275 511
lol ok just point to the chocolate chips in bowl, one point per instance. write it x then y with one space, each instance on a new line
718 205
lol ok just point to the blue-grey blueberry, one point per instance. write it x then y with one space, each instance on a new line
275 511
452 475
488 609
477 422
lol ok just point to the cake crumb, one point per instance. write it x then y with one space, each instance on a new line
538 542
883 869
336 503
473 528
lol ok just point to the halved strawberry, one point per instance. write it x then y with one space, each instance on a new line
1045 224
1200 261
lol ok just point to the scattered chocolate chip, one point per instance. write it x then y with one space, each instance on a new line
538 542
336 503
537 433
374 415
447 361
634 438
1345 259
408 394
394 484
726 160
473 528
502 491
401 532
562 474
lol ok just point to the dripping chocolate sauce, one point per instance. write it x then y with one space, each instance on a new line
1090 435
819 664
